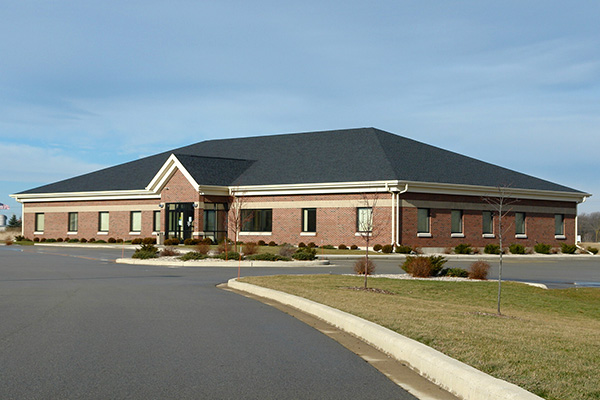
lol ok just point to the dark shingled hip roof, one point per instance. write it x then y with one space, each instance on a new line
350 155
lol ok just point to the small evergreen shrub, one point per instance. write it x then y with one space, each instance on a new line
207 241
329 247
50 240
83 240
36 239
403 249
479 270
593 250
249 248
354 247
272 243
301 244
568 248
463 248
268 257
100 241
136 241
19 238
516 248
149 240
262 243
92 240
305 254
491 248
191 242
171 242
119 240
230 255
361 265
145 251
542 248
342 247
387 249
112 240
43 240
192 255
60 240
311 245
456 273
377 247
287 250
73 240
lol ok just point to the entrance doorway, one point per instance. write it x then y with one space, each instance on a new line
180 220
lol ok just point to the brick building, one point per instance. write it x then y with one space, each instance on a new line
330 187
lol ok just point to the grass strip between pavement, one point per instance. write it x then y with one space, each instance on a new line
546 341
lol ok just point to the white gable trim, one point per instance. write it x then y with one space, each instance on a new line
166 172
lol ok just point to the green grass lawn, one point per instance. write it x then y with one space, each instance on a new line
547 341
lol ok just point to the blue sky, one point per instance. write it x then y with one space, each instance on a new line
89 84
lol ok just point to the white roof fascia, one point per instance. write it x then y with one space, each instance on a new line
166 172
85 196
316 188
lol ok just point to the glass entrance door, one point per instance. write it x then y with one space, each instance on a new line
180 220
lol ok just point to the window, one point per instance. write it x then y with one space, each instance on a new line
309 220
520 223
156 221
559 224
210 220
103 221
135 221
39 222
257 220
73 221
488 223
364 219
456 226
423 220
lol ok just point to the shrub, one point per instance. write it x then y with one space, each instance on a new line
225 246
354 247
92 240
112 240
42 240
272 243
568 248
387 249
19 238
311 245
463 248
97 241
425 267
249 248
456 273
119 240
168 251
8 242
192 255
149 240
359 266
52 240
329 247
377 247
305 253
491 248
403 249
479 270
83 240
230 255
145 251
437 264
136 241
207 241
592 250
542 248
262 243
171 242
268 257
301 244
191 242
73 240
61 239
202 248
342 247
516 248
36 239
287 250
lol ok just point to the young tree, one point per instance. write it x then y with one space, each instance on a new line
366 226
14 222
501 206
236 217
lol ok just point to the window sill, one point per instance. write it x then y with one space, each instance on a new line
560 237
308 233
38 232
424 235
135 233
521 236
72 233
488 236
363 234
102 233
457 235
256 233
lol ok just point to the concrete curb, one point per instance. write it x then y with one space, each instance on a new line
212 263
465 257
458 378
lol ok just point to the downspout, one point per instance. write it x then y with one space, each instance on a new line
387 188
398 204
395 211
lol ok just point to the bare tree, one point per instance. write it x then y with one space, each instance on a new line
589 226
236 217
366 226
501 206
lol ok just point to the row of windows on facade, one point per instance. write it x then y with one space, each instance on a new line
261 220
